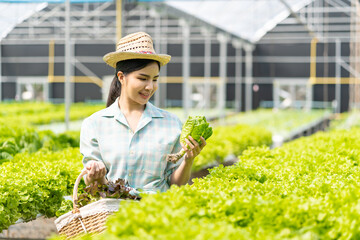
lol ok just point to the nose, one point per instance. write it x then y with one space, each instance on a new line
150 85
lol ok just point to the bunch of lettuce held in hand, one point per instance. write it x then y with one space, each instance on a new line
195 127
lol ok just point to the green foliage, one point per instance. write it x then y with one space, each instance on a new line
196 127
228 140
56 142
35 113
95 192
16 139
346 120
35 183
307 189
65 207
278 122
248 129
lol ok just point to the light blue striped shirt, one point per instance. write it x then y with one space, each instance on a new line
138 157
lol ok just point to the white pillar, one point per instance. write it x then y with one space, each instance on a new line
164 50
18 90
67 88
207 68
248 77
238 74
309 96
186 67
46 91
158 50
223 39
276 95
338 75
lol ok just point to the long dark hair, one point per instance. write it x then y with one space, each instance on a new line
126 66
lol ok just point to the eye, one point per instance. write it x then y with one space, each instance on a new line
155 79
142 79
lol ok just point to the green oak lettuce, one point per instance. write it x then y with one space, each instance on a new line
195 127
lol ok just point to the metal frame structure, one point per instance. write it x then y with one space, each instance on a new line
325 22
329 21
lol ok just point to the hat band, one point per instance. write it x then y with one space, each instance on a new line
146 52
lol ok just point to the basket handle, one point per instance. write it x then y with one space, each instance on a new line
75 191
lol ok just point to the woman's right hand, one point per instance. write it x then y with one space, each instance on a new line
96 172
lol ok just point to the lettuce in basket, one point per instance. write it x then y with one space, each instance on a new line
118 189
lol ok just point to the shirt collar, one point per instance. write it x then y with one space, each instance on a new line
114 110
149 113
152 111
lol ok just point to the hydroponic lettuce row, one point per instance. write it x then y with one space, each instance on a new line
195 127
33 184
95 192
16 139
307 189
43 113
230 140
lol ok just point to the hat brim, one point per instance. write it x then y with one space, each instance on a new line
114 57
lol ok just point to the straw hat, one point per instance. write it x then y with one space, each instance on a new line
135 46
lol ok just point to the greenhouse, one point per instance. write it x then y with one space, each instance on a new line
186 119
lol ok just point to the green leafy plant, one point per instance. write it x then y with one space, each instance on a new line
230 140
65 207
16 139
95 191
306 189
36 183
195 127
35 113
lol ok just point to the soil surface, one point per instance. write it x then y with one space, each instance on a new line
41 228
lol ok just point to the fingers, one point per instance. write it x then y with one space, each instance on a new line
96 170
192 147
195 144
192 143
203 142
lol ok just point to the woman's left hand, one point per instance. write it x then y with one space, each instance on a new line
193 148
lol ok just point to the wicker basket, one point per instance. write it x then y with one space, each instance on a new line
88 219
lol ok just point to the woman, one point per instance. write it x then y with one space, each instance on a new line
131 138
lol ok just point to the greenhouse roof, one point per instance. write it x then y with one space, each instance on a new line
247 19
52 1
12 14
15 12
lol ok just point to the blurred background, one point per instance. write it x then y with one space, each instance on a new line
263 72
226 54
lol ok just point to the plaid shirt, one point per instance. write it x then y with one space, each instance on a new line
138 157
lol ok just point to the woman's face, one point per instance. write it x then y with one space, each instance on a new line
140 85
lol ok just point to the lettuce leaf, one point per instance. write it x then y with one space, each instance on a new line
196 127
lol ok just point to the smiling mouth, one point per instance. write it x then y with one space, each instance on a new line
145 95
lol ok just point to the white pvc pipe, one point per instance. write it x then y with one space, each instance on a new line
238 76
338 76
207 69
223 72
248 78
67 90
186 68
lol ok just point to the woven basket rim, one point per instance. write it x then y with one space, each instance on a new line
102 205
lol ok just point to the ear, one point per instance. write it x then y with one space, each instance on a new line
120 76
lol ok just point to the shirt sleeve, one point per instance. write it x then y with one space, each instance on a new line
89 146
171 167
